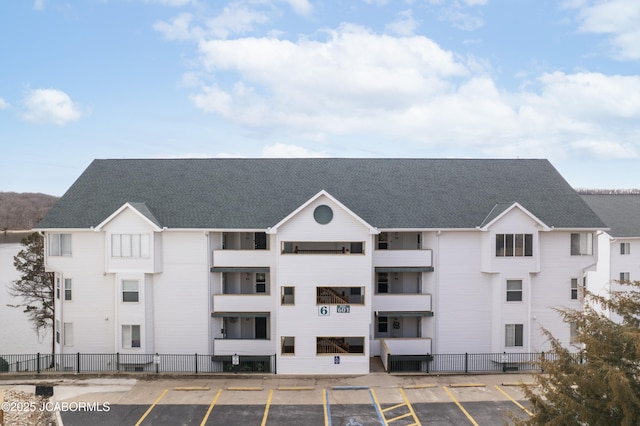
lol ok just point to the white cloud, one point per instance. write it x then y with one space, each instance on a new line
50 106
38 5
172 3
280 150
620 19
301 7
3 104
356 83
404 25
234 19
179 28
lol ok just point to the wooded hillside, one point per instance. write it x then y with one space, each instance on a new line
19 211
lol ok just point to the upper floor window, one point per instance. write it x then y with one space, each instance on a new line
130 245
130 292
514 290
582 244
510 245
59 244
625 248
383 282
67 289
574 289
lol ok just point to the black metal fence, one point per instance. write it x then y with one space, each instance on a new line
150 363
470 363
195 363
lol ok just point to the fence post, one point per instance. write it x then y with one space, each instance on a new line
78 363
543 358
466 362
38 363
117 362
196 363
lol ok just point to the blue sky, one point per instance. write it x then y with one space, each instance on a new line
86 79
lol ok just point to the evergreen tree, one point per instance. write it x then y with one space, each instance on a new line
599 384
35 286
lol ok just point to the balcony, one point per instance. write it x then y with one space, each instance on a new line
241 258
323 247
402 302
243 346
240 302
421 260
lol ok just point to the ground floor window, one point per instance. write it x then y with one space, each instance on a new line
130 336
288 345
339 345
514 335
68 334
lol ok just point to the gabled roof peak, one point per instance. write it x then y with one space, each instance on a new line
140 209
320 194
501 209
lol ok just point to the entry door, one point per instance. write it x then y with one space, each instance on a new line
261 328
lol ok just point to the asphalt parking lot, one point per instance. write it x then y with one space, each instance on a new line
374 399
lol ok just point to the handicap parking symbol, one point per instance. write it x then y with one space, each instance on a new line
352 422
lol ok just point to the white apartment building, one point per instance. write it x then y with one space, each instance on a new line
322 262
618 246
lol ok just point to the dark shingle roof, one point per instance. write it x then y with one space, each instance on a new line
258 193
620 212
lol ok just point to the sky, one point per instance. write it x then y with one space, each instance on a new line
87 79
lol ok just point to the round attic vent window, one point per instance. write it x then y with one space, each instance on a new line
323 214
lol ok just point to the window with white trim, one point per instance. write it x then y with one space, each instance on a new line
130 291
625 248
58 331
582 244
624 276
514 290
58 290
68 334
574 289
514 335
573 333
59 244
67 289
288 295
130 336
288 345
514 245
130 245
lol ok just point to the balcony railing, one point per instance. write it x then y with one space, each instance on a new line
403 258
